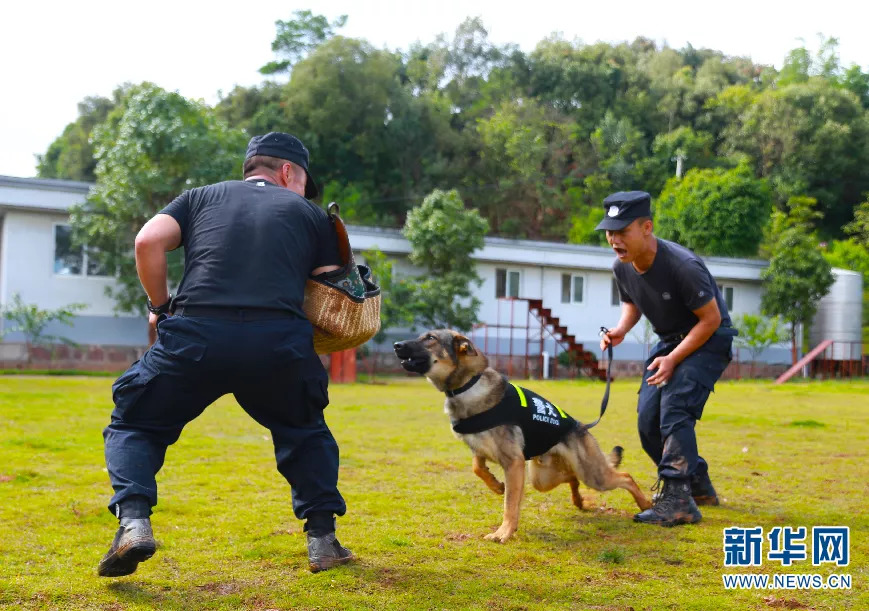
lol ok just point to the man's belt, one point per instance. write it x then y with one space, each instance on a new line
230 313
675 338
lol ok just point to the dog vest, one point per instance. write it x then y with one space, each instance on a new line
543 424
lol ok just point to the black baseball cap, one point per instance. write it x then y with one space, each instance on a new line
624 207
284 146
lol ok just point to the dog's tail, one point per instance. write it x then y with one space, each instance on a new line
615 457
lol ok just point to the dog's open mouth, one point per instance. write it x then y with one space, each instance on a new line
417 361
416 364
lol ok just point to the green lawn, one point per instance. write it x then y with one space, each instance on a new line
781 456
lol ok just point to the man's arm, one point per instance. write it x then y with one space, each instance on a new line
324 269
158 236
709 319
630 316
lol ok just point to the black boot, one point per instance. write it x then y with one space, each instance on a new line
134 543
325 552
703 491
672 507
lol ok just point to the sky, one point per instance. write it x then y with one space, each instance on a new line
53 54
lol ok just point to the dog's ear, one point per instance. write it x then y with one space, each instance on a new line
463 346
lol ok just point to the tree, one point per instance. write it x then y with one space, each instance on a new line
859 227
152 147
32 322
443 234
340 102
70 155
715 212
394 297
797 278
298 37
527 154
808 139
756 334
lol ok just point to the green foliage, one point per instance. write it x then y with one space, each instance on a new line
530 137
71 155
443 234
395 294
256 110
32 321
757 333
859 227
715 212
533 145
797 278
810 139
153 146
297 37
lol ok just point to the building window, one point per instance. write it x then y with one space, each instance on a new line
572 288
70 260
615 298
507 282
727 293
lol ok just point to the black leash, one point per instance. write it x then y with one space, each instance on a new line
606 394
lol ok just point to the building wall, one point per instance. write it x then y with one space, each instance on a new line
27 252
30 208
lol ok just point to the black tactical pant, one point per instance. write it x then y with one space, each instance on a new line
666 415
271 369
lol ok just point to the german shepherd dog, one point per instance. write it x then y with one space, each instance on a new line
454 366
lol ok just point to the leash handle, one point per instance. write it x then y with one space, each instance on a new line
606 394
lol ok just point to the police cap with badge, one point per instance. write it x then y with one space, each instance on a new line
624 207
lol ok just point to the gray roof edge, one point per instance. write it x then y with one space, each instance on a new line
51 184
551 246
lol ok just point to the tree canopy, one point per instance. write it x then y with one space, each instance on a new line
152 146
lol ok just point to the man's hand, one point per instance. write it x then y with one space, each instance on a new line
613 336
152 328
665 366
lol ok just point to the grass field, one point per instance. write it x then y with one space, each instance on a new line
781 456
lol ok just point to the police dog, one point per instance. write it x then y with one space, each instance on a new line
454 366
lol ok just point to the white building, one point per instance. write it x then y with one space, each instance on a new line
575 282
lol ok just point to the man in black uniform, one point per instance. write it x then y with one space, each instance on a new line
671 286
238 327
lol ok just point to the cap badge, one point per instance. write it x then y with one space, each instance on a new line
613 211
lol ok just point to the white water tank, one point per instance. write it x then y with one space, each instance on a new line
840 317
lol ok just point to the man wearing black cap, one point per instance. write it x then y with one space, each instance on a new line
236 326
672 288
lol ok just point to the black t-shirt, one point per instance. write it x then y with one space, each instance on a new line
676 283
250 244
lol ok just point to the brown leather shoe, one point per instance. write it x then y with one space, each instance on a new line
703 491
325 552
133 543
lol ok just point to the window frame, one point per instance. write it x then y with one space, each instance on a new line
571 288
507 274
84 257
724 288
615 296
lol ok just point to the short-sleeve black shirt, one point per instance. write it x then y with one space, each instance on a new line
666 293
250 244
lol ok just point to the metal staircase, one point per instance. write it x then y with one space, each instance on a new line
585 361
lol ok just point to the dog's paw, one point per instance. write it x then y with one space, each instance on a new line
499 488
502 535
